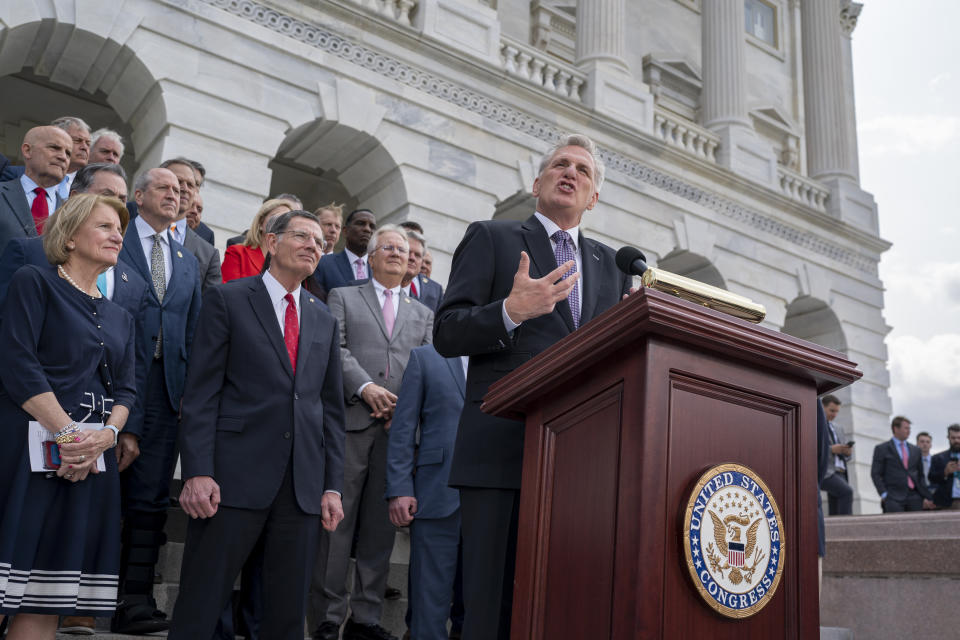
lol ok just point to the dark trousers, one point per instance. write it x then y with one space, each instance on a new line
839 494
145 485
216 549
911 501
489 520
434 543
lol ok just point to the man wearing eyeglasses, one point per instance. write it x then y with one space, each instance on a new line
379 326
262 437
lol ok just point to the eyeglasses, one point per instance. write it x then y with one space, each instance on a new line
304 238
392 248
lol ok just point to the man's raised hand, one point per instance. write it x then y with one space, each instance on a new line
534 297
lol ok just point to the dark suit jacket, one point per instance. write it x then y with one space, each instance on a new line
208 259
429 292
489 449
16 221
943 496
245 412
365 347
206 233
890 476
129 291
334 270
12 171
430 399
177 314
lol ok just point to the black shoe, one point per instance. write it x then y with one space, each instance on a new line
326 631
392 594
138 618
357 631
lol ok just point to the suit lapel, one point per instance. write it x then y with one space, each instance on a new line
176 264
456 370
403 313
132 251
346 269
543 261
309 318
369 295
17 201
260 301
591 260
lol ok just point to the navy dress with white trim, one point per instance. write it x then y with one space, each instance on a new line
59 541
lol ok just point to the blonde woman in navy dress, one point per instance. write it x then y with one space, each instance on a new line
68 358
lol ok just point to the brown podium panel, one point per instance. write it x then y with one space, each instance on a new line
622 419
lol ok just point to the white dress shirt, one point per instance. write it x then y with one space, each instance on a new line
277 292
551 228
146 233
28 187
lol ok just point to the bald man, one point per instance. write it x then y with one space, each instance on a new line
27 202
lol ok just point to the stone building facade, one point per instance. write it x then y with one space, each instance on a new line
727 126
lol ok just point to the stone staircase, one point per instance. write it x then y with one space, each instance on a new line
169 567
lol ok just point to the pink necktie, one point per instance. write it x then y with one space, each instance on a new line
388 318
906 465
361 274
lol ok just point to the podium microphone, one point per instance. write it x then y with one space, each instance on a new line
631 261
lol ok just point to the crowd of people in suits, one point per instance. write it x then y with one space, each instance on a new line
298 385
907 476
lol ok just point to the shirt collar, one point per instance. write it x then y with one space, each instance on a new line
551 228
277 291
352 257
144 230
379 288
29 186
898 443
181 226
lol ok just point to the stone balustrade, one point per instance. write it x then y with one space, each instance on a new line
802 189
541 69
685 135
398 10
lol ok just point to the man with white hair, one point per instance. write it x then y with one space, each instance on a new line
516 288
79 132
107 146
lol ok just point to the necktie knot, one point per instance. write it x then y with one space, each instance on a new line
561 236
41 192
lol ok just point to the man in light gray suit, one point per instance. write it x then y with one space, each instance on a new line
207 256
379 326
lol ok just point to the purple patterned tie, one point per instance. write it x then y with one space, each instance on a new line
564 252
361 272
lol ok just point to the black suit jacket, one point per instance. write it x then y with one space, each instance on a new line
890 476
489 450
943 496
206 233
245 412
429 292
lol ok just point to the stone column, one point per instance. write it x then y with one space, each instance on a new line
848 22
724 96
600 27
828 122
609 87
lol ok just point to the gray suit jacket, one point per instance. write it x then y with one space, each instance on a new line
16 221
365 347
207 256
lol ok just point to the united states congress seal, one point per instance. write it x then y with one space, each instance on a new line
733 540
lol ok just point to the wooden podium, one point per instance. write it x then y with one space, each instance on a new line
622 418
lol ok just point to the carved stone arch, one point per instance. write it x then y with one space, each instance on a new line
57 60
692 265
812 319
339 157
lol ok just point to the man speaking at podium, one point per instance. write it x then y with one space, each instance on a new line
516 288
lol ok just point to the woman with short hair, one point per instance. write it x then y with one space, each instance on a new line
244 260
68 360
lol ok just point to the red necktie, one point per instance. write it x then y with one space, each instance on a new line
413 288
39 209
291 330
903 454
